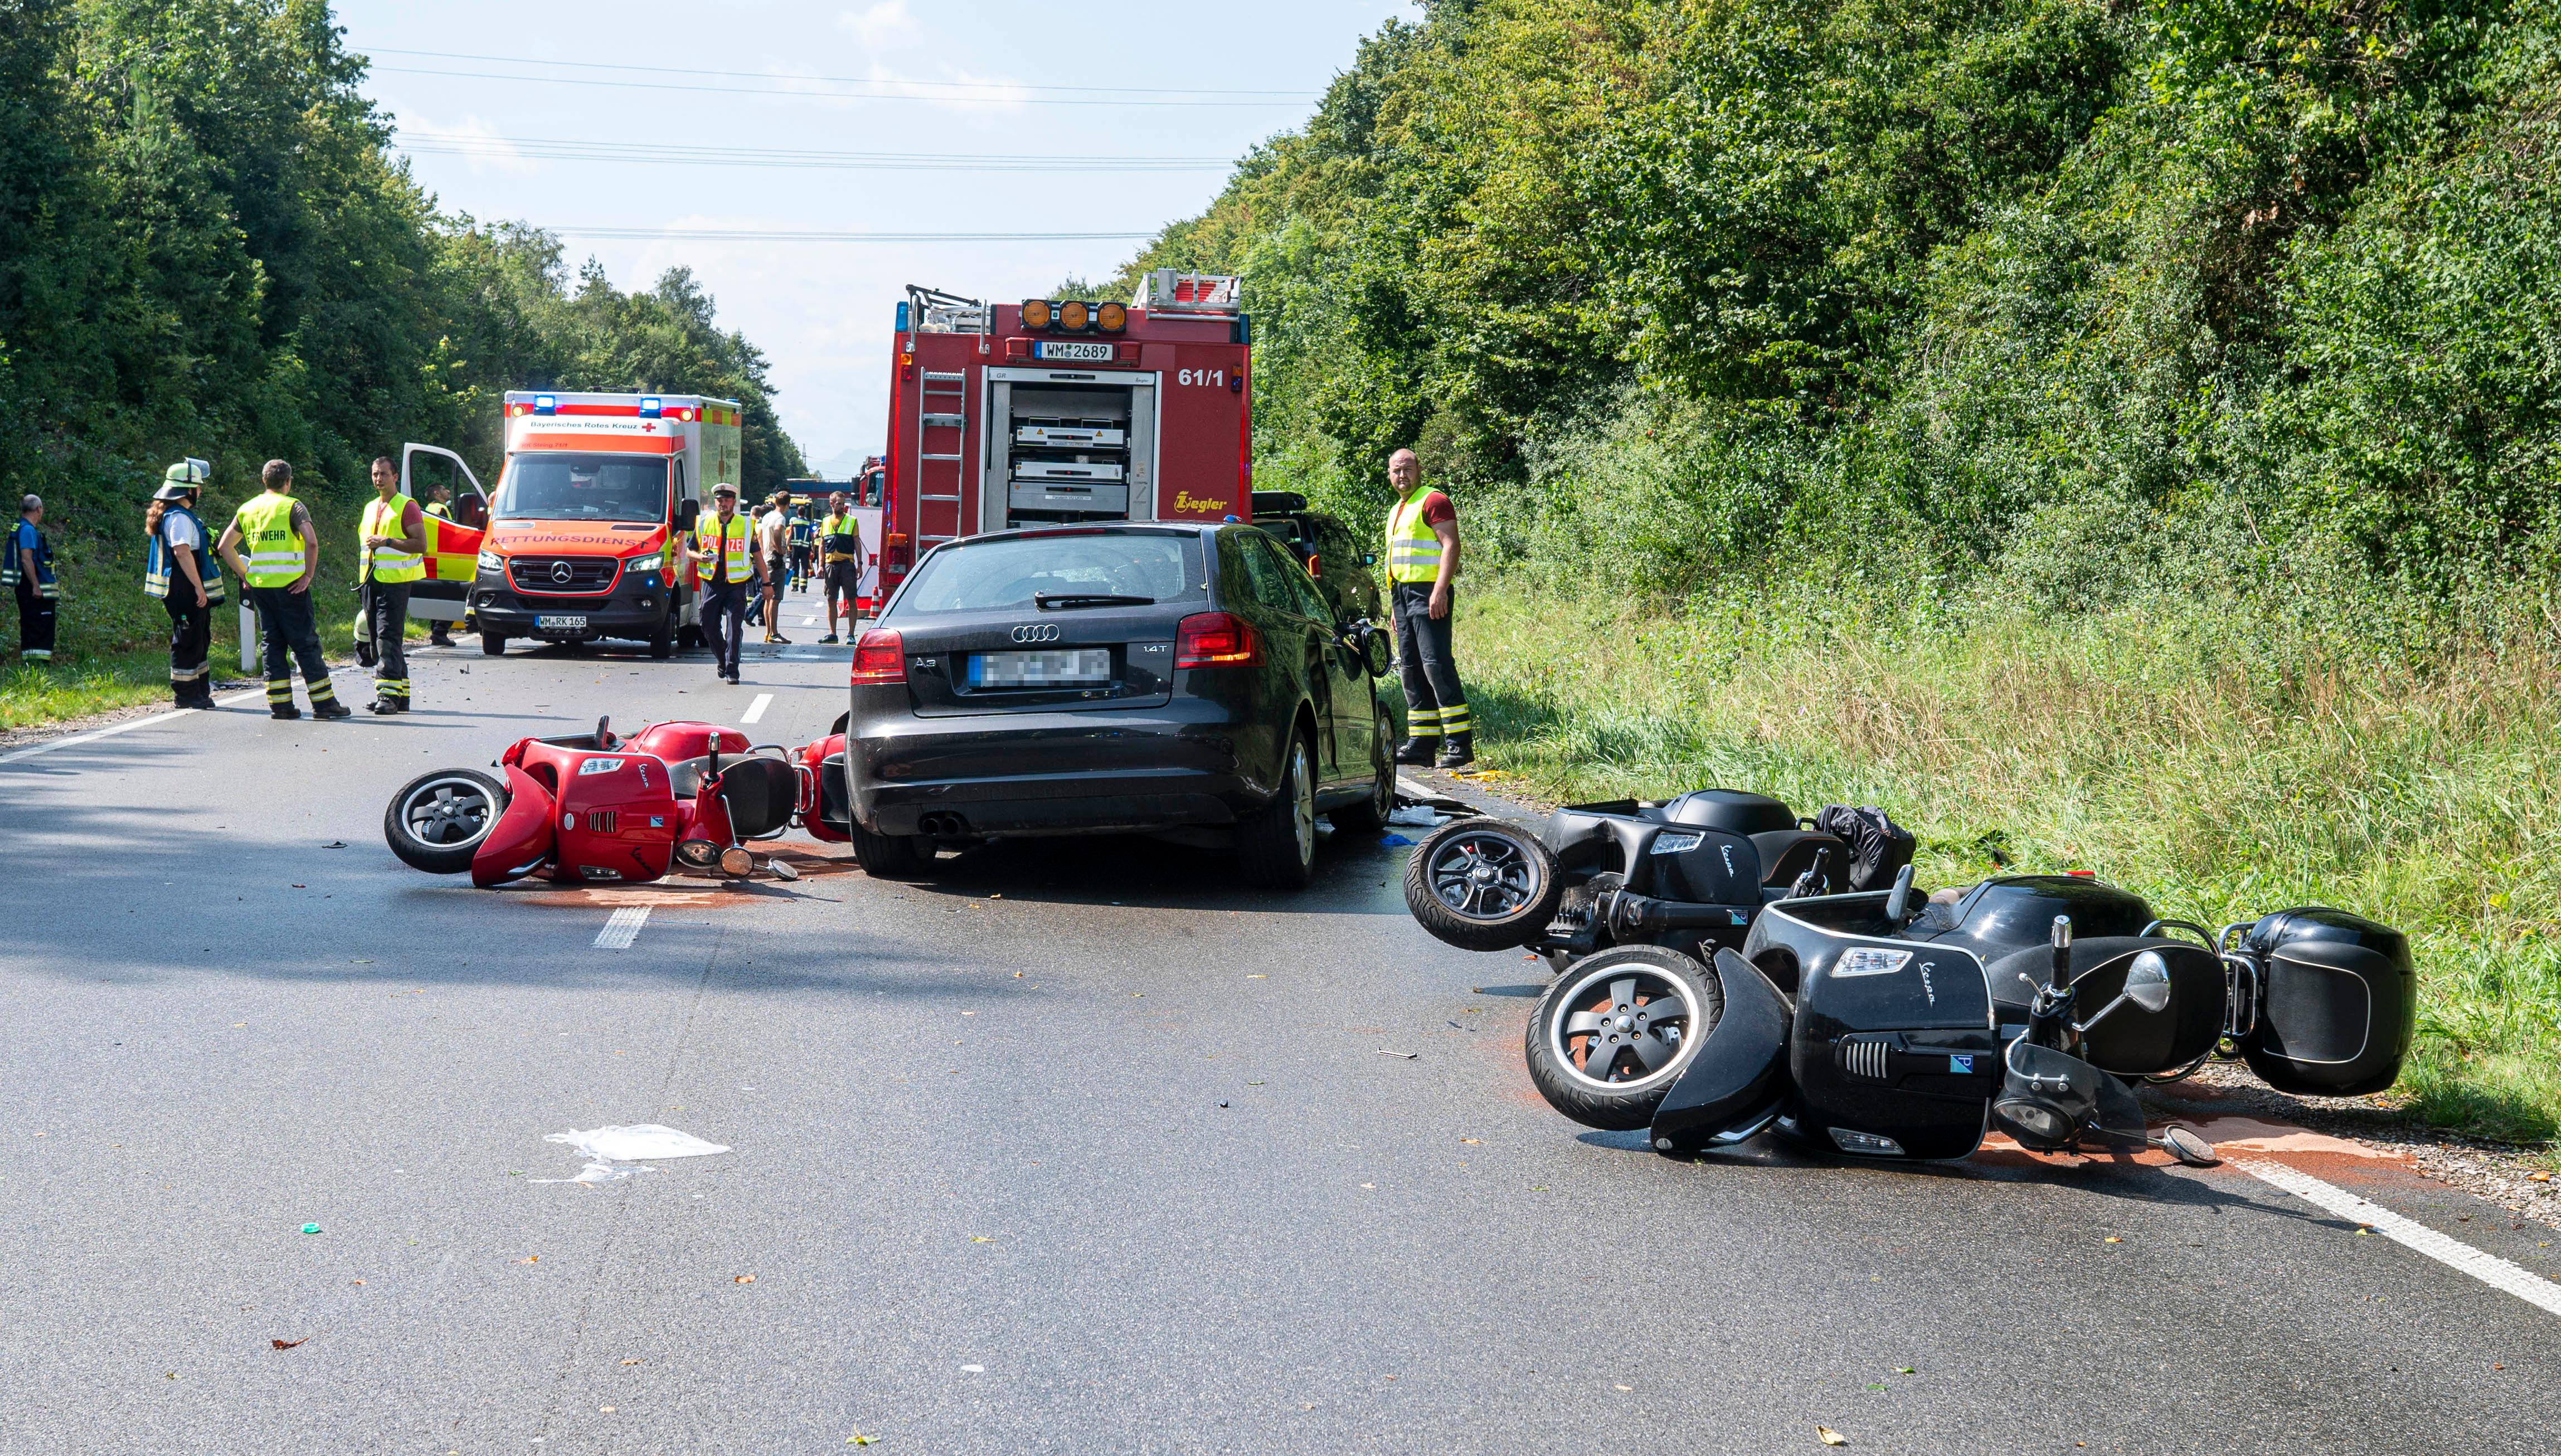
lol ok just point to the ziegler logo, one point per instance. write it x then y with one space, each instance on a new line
1040 632
1185 501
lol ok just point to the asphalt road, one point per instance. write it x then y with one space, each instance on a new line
1082 1149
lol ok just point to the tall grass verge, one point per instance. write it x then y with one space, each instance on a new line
2216 769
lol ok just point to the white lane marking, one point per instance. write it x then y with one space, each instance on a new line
808 622
124 727
2490 1270
755 710
623 928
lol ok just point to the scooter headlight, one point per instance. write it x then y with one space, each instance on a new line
2035 1119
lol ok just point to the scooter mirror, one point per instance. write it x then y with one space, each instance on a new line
604 731
781 870
2147 981
2188 1147
737 863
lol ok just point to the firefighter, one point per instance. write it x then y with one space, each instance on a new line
1422 567
179 570
439 498
804 535
284 557
387 567
724 556
840 561
29 569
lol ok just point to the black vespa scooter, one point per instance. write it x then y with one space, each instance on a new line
1876 1026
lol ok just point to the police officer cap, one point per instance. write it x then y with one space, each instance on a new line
724 489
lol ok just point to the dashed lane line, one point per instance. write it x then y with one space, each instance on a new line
622 929
2490 1270
755 710
233 701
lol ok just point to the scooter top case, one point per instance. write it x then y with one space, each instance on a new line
2336 998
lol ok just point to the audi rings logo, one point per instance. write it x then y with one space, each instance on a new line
1037 633
560 572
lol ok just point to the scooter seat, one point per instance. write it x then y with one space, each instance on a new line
761 795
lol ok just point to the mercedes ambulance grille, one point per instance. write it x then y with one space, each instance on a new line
553 575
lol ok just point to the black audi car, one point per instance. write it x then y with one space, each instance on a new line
1186 681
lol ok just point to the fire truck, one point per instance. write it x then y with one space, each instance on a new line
1055 412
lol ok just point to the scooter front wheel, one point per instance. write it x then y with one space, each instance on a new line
1617 1029
437 820
1482 885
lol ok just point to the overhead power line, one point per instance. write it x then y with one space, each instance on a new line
483 145
769 234
992 93
897 86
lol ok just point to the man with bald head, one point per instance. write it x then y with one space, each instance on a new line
1422 566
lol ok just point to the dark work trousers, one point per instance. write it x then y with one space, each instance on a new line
725 621
284 625
191 634
387 622
1435 704
35 622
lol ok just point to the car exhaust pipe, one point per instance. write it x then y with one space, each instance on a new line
942 824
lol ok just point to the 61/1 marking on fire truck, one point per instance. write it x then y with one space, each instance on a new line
1072 349
1214 378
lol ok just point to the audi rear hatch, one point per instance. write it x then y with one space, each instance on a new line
1047 621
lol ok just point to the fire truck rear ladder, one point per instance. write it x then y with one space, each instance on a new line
954 387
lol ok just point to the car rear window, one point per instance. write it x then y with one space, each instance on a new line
1009 571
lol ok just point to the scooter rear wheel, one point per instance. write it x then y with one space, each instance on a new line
437 820
1617 1029
1482 885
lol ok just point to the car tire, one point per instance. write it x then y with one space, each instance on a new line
663 641
1369 816
1482 885
1278 842
493 644
437 821
1599 997
889 855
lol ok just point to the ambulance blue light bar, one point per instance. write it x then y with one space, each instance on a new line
546 404
649 407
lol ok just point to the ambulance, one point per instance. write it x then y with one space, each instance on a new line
1065 411
580 542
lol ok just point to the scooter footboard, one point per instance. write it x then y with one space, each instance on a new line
1737 1080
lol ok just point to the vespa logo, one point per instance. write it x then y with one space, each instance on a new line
1037 633
560 572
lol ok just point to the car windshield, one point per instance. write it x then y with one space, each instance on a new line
1011 571
567 487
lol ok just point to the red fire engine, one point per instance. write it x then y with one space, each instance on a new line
1053 412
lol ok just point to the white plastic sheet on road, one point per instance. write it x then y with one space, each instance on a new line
608 1149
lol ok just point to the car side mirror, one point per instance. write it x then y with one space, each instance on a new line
686 514
1377 653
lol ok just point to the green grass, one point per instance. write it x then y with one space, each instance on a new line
2221 771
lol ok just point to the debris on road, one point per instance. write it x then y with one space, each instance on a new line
1417 816
1395 839
1407 1055
311 1228
1831 1437
606 1149
744 1280
285 1344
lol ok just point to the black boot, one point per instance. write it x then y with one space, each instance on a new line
1416 752
331 707
385 707
1457 752
284 710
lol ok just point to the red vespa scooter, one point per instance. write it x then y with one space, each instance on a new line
596 808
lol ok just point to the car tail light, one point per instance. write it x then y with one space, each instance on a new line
1315 565
1216 639
879 657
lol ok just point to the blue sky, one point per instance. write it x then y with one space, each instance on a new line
495 132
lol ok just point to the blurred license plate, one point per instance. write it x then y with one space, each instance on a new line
559 624
1089 667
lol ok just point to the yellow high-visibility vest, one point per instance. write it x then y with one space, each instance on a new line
723 546
389 565
1413 547
269 546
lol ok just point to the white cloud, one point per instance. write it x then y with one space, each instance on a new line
882 25
476 142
